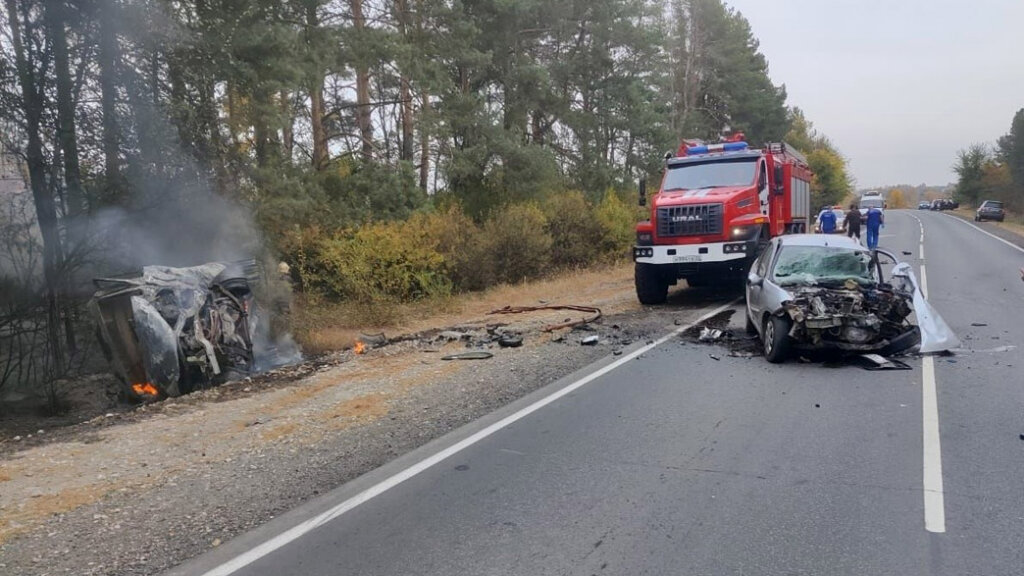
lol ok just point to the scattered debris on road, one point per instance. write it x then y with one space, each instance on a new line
976 324
590 340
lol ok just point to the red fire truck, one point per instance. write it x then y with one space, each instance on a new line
717 206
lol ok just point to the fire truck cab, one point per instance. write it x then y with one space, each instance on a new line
717 205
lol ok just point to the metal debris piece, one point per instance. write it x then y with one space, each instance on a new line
510 340
589 340
907 253
567 324
617 352
373 340
879 362
713 357
978 324
477 355
710 334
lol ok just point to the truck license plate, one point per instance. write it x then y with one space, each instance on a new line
690 258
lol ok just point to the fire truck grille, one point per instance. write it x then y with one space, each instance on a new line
690 220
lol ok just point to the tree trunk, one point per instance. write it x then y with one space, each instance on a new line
108 89
424 114
362 88
405 91
288 125
56 16
46 209
316 97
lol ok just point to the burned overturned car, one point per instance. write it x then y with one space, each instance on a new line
814 292
174 330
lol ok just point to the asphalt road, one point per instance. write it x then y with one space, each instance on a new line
674 462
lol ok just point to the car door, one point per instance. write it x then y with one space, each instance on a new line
755 290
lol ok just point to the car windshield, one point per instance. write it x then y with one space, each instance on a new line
721 172
818 265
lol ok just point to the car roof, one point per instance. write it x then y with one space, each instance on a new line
821 240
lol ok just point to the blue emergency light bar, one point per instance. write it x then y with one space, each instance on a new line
709 148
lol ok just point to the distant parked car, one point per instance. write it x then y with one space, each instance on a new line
924 205
990 210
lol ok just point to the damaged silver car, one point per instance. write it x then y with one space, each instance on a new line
815 292
174 330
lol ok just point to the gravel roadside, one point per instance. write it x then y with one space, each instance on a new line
145 495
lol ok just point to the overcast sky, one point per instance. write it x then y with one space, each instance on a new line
898 85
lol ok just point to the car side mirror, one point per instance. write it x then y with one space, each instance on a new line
754 280
643 192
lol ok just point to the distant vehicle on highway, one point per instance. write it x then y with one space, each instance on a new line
990 210
924 205
808 291
940 204
870 201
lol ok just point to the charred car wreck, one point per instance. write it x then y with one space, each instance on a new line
174 330
814 292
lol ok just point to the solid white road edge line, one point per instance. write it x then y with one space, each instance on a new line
309 525
987 233
934 497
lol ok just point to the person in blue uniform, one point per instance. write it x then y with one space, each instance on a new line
875 220
827 221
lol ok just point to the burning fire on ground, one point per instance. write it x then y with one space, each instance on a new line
359 348
146 389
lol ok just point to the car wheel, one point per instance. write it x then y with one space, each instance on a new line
776 339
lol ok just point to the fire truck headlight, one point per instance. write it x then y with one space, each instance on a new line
744 232
644 238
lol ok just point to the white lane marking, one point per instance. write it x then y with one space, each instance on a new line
934 497
987 233
296 532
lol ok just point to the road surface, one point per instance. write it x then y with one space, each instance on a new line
673 462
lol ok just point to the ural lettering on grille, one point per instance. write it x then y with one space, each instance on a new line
690 220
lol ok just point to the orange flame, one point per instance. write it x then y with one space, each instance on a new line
359 348
146 389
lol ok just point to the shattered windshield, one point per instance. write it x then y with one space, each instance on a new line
693 176
817 265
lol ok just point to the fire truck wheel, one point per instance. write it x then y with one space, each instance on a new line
651 286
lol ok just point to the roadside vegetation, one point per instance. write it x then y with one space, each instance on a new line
994 172
388 151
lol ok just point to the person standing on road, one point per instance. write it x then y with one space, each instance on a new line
853 222
875 221
827 221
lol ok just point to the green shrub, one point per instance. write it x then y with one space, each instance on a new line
575 232
381 262
618 225
461 242
517 242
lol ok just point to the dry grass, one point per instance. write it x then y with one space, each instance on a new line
359 409
322 327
